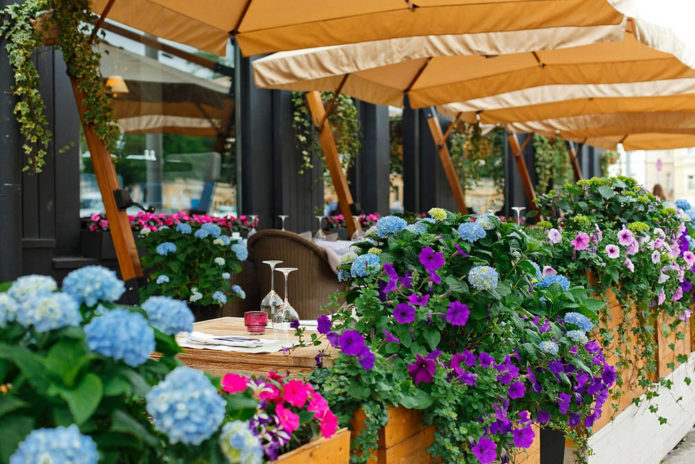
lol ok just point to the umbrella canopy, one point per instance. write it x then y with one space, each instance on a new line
263 26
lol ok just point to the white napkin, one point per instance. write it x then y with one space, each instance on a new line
202 338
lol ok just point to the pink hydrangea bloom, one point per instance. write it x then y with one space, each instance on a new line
580 242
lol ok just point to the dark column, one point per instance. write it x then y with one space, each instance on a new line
10 175
371 180
514 189
411 159
434 187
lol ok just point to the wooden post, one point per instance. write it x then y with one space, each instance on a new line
574 161
330 152
523 170
445 158
121 233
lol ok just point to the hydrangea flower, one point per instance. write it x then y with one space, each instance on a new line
683 204
240 251
485 220
554 279
226 275
437 214
121 335
219 297
239 444
348 257
8 309
61 445
168 315
417 228
578 336
195 295
471 231
212 229
220 261
185 406
201 233
162 279
580 320
92 284
548 347
239 291
184 228
165 248
483 278
32 285
390 225
49 312
224 240
365 265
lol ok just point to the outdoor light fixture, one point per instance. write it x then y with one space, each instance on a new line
117 85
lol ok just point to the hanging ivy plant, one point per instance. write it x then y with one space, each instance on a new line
344 123
477 156
552 164
608 158
67 25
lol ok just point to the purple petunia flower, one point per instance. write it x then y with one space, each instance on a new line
430 259
686 285
523 437
390 270
351 342
434 277
319 359
366 359
422 370
334 339
612 251
563 402
406 281
460 251
486 360
294 324
485 450
324 324
457 313
625 237
390 337
574 420
516 390
542 416
404 313
467 378
418 300
608 375
581 241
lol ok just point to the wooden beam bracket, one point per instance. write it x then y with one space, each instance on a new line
518 151
332 105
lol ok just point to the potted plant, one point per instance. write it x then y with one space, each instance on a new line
456 321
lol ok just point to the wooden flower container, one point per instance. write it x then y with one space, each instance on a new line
335 450
679 338
405 439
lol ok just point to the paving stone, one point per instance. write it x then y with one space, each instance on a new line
684 453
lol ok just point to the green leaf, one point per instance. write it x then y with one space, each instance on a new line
606 192
240 406
124 423
117 385
166 344
67 358
417 399
10 403
84 398
432 337
13 429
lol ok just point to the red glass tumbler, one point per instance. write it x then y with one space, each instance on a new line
255 322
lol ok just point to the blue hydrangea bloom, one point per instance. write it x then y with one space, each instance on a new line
239 291
343 275
121 335
691 214
365 264
185 406
225 239
683 204
578 336
417 228
226 275
239 444
240 251
485 221
184 228
168 315
163 228
212 229
8 309
691 242
471 231
580 320
49 312
32 285
219 297
201 233
166 248
554 279
428 220
548 347
389 225
483 278
61 445
92 284
163 279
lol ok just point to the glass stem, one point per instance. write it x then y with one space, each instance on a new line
272 277
286 276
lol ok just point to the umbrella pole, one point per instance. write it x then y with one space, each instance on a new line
330 152
574 161
445 157
517 151
121 233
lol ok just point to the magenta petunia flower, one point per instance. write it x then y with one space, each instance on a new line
486 360
404 313
422 370
656 257
430 259
457 313
465 357
418 300
612 251
632 248
625 237
689 258
629 264
581 241
485 450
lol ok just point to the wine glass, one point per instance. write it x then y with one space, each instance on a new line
285 314
254 221
320 234
518 210
283 218
358 234
272 301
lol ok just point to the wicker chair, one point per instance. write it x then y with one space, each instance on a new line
311 286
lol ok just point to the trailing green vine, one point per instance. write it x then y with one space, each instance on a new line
67 25
477 156
608 158
344 122
552 165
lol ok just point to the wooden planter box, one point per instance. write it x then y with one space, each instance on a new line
335 450
97 245
405 439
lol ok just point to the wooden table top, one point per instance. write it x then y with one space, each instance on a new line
219 363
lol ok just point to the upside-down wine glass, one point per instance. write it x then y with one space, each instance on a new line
320 234
254 221
518 210
283 218
272 301
285 313
358 234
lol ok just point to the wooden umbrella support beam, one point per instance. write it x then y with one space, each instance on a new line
517 151
330 152
445 158
121 233
574 161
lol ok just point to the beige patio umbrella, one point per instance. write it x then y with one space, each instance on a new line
263 26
